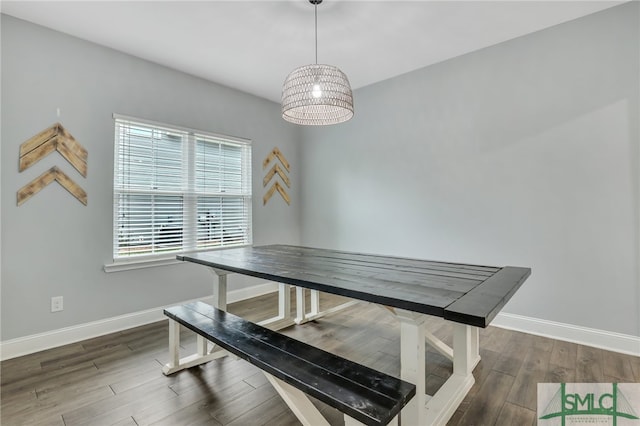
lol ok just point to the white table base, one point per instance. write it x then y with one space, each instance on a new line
437 409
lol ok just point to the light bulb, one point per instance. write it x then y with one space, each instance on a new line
316 92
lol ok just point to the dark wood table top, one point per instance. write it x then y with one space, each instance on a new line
469 294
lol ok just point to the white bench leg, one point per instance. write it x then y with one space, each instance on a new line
201 345
203 354
301 406
174 344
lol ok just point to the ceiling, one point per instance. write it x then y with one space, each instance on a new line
253 45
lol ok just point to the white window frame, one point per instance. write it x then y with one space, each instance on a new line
188 193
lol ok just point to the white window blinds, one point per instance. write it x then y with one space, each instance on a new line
178 190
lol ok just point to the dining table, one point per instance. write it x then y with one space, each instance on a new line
467 296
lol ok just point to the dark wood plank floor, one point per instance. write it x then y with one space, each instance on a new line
117 379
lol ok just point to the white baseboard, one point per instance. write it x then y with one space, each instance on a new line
571 333
38 342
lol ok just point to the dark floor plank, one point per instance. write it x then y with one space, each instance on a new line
618 367
212 377
120 406
433 383
533 371
515 415
495 339
194 404
589 364
30 381
78 358
635 367
383 362
512 357
52 408
286 418
44 421
487 362
564 354
193 414
268 410
129 421
457 417
256 380
131 379
438 364
242 404
486 410
558 374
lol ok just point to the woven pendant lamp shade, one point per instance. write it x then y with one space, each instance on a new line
317 95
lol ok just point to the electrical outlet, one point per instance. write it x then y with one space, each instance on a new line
56 304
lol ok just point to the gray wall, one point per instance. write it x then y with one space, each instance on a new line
524 153
53 245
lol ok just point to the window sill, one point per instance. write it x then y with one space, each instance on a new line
140 263
153 261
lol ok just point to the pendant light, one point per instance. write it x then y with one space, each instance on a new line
317 94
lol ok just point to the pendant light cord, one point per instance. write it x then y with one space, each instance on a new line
315 6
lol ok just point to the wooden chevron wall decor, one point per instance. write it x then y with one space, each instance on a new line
275 153
272 190
55 138
51 175
276 170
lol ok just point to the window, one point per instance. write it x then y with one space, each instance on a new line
178 190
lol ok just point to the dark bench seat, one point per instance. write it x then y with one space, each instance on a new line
364 394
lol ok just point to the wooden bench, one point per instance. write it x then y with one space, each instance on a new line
295 368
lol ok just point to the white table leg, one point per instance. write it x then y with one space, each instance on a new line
465 349
315 302
300 305
439 345
283 319
444 403
220 290
284 300
412 364
437 409
303 316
